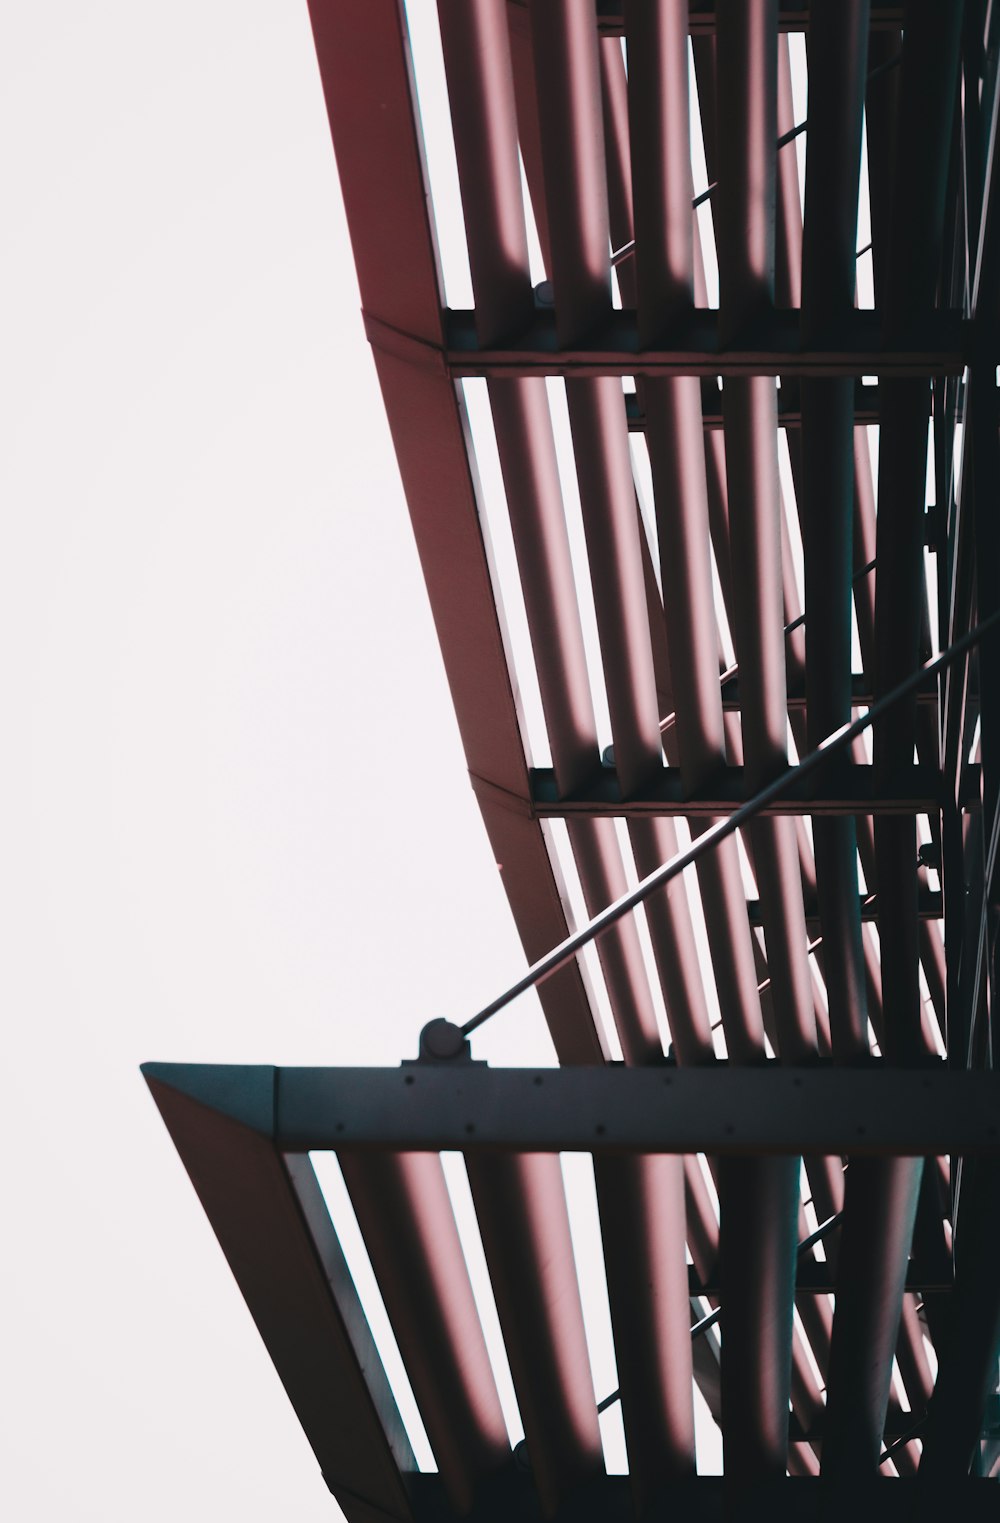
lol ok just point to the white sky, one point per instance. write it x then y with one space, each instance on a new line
235 822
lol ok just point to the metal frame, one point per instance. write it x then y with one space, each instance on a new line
852 789
472 1108
940 345
245 1133
797 968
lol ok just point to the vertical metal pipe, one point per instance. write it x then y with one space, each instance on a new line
881 107
788 238
747 84
527 454
757 1299
641 1200
404 1211
602 878
744 206
675 950
661 169
576 191
607 499
899 556
838 61
758 1295
677 460
750 413
879 1211
648 1293
967 1369
521 1208
528 126
618 156
476 49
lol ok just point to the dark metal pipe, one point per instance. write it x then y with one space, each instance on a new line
967 1369
838 60
927 88
881 106
899 552
758 1281
879 1211
838 56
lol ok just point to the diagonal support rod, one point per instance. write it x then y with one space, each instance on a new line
838 741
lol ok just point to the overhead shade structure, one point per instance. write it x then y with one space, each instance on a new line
252 1140
732 334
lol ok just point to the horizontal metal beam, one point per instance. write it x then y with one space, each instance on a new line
709 1498
467 1106
862 696
702 18
941 343
816 1277
866 405
930 907
845 789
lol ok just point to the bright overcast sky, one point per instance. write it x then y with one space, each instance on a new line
236 823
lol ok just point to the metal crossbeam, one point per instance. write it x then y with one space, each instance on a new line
930 906
862 695
814 1277
709 1499
604 147
848 789
939 344
866 405
773 1109
703 22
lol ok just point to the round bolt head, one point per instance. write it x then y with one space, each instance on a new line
441 1039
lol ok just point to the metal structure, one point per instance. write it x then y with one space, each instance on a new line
799 1143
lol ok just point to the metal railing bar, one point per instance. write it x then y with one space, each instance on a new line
901 1442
